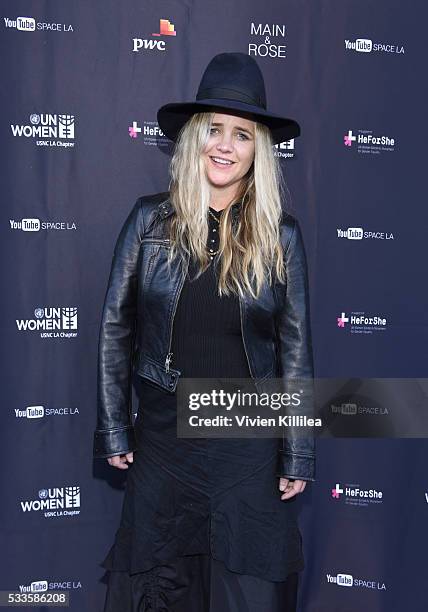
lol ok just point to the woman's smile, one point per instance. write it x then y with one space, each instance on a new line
221 162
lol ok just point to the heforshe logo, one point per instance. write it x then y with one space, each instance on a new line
337 491
342 320
349 138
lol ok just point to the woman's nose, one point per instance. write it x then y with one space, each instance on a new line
225 143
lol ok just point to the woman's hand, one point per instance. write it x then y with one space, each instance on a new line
119 461
291 487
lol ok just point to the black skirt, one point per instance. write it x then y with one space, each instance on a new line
197 513
198 583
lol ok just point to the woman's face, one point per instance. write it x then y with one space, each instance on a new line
229 152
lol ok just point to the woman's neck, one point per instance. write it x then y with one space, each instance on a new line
216 205
221 200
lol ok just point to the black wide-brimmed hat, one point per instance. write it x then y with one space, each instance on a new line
231 82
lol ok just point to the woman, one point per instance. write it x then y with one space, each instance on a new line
208 280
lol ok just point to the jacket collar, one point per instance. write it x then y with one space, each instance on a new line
165 209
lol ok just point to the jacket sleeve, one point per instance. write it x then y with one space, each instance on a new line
296 456
114 432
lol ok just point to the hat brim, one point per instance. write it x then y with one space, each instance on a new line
172 117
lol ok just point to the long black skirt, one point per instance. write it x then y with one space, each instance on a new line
198 583
203 528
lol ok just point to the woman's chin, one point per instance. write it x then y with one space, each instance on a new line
220 181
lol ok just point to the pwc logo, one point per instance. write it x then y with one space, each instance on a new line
166 28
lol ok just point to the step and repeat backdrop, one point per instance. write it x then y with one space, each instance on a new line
81 85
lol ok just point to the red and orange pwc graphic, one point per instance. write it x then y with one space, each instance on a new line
166 28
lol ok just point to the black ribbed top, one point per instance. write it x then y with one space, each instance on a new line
207 338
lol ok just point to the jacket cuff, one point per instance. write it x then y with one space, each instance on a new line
115 441
301 467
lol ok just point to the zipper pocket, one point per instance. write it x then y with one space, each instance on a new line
242 334
149 268
169 355
165 241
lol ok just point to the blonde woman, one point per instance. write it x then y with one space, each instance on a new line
208 280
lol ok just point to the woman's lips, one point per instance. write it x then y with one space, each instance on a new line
220 165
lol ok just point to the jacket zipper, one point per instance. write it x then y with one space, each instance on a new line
157 240
243 339
169 354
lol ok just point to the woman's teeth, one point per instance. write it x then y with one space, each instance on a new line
223 162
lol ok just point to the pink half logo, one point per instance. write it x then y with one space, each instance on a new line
349 138
335 493
342 320
134 130
166 28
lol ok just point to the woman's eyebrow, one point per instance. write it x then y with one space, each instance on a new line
236 126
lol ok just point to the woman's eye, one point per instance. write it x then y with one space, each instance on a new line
241 135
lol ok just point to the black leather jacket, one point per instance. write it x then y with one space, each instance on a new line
136 329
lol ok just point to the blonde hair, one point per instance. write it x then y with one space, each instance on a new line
250 249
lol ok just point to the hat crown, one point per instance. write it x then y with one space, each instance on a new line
233 83
233 76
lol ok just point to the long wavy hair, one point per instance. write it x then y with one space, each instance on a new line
250 249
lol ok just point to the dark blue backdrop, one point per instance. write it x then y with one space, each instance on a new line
75 78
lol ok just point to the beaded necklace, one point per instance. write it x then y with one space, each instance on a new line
211 252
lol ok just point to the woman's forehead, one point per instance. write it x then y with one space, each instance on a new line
229 119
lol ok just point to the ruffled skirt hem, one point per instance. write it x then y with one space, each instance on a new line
197 583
